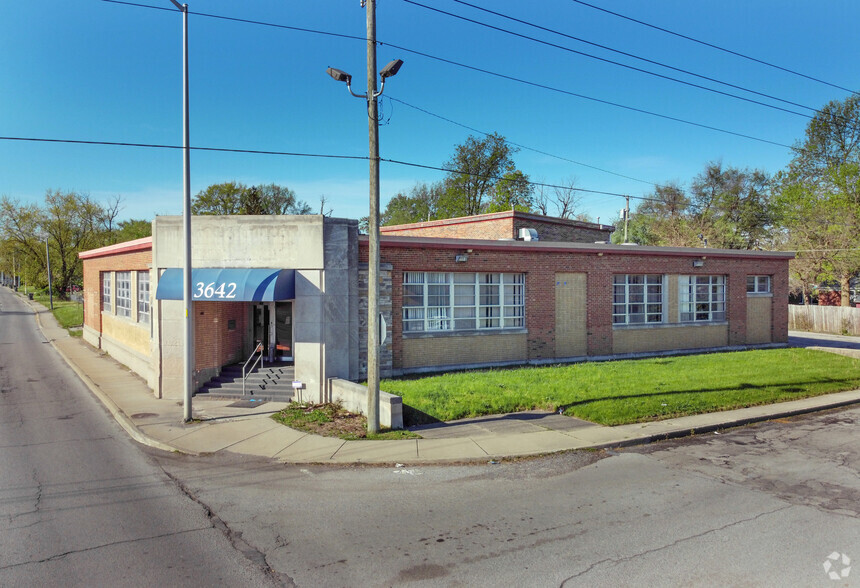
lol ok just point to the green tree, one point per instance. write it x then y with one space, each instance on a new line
477 167
818 197
237 198
421 204
70 221
132 229
482 178
512 192
726 207
732 206
665 218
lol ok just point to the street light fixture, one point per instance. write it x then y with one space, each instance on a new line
374 334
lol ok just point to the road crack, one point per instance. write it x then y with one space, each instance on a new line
672 544
234 537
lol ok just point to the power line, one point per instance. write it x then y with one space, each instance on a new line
296 154
617 63
472 68
163 146
529 182
244 21
583 96
712 46
453 122
634 56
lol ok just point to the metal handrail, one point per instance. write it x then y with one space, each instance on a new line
259 348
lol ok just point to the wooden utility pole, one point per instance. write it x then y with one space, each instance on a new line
373 335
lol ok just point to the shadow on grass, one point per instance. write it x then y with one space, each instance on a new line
787 388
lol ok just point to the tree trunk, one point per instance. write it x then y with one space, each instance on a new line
845 286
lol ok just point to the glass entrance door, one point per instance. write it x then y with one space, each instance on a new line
284 331
262 329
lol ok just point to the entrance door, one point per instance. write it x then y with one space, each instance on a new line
263 328
284 331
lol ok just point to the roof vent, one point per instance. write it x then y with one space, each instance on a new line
528 235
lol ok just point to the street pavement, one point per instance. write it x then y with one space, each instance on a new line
218 426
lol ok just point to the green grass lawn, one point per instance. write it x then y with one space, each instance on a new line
69 314
630 391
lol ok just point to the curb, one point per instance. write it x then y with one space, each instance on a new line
119 416
730 424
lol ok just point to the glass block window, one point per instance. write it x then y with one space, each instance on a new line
106 298
637 299
702 298
448 301
123 293
143 297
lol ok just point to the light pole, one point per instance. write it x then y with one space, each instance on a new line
373 322
188 374
50 283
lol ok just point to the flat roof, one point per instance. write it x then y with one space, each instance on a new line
564 247
125 247
491 216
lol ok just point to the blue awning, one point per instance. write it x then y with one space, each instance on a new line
230 284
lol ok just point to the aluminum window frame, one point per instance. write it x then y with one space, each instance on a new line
759 284
702 299
434 302
638 299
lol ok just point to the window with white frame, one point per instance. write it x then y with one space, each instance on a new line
702 298
637 299
143 297
758 284
448 301
106 300
123 293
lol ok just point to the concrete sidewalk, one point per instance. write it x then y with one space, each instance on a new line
245 427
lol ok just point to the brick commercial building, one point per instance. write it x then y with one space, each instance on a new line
456 293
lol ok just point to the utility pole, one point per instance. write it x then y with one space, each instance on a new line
50 283
374 321
373 229
626 215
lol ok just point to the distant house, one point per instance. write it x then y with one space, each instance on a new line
490 290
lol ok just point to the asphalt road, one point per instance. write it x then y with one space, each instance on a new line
80 503
763 505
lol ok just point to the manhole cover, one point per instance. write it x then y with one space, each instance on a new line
247 403
143 415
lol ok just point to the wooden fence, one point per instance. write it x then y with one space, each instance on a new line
841 320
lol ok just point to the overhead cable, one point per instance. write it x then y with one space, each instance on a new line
717 47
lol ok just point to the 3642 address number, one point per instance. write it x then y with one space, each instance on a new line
215 290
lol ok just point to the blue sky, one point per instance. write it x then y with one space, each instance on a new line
99 71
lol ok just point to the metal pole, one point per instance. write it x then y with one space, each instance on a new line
188 379
626 216
373 230
50 284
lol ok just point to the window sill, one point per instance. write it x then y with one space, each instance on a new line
668 325
759 294
470 333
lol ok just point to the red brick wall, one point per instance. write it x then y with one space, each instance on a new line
215 344
503 225
540 268
118 262
562 231
501 228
